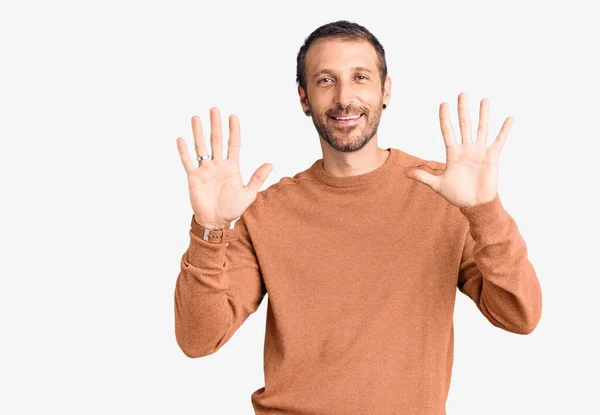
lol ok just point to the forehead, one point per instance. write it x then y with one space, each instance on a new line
340 55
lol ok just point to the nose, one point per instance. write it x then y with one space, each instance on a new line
344 94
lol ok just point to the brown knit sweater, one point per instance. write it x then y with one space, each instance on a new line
361 274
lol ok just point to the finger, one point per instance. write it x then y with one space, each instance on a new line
259 177
428 179
186 160
199 144
446 126
233 148
464 121
216 134
501 138
482 128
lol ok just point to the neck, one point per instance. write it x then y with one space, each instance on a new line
342 164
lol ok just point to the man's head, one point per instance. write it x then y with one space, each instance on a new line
341 71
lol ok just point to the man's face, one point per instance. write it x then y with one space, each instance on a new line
342 73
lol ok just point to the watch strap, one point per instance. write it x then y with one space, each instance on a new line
214 235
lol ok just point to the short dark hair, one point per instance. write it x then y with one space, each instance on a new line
342 29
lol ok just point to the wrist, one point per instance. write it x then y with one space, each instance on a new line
212 225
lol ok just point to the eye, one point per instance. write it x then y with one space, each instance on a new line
321 80
362 76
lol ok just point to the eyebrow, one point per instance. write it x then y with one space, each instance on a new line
356 68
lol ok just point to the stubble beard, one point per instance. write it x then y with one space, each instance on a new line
352 138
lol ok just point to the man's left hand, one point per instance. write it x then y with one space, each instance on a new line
471 174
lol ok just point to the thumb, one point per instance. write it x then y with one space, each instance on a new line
259 177
426 178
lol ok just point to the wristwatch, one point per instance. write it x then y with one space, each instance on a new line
214 235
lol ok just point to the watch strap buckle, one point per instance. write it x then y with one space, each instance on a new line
217 236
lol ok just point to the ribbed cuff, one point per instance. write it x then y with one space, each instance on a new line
204 254
486 218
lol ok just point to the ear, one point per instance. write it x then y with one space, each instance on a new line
303 98
387 90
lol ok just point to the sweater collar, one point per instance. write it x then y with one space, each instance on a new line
380 173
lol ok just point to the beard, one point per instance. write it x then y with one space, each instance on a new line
348 138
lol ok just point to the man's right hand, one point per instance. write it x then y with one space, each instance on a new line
217 193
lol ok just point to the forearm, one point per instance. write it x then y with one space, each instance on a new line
218 287
202 310
503 282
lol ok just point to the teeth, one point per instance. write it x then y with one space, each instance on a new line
348 118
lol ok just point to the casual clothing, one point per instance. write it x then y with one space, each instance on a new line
361 274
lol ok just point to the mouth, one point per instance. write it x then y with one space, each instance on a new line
347 119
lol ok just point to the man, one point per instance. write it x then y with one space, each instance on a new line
361 254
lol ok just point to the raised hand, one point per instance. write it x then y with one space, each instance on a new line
471 174
217 193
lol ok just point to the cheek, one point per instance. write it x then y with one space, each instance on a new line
373 100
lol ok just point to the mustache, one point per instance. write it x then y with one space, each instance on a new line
346 112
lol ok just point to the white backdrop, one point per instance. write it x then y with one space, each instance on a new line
95 211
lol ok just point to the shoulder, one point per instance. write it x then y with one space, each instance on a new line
410 161
287 186
430 201
278 194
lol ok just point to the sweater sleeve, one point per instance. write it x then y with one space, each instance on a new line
218 287
495 271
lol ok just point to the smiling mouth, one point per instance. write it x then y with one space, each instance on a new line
347 119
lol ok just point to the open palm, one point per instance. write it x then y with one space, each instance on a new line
471 173
217 192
